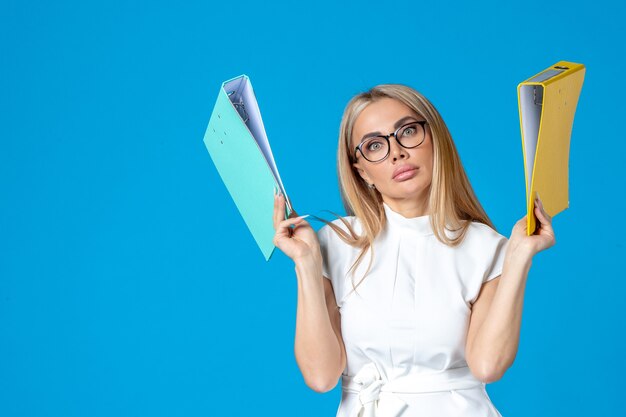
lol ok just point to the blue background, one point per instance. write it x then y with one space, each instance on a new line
130 286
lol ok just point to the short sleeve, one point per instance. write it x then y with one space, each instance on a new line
324 240
496 246
483 252
337 256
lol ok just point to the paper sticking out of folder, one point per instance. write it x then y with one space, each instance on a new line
238 145
547 104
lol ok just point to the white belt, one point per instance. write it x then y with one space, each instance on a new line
377 397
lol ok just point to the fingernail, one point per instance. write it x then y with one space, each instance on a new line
304 216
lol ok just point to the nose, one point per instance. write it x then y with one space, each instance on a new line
396 150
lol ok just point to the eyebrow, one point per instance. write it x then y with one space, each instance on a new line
395 126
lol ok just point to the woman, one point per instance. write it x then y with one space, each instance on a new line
435 312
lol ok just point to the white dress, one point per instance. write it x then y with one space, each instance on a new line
406 325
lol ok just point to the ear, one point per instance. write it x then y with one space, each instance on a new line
361 172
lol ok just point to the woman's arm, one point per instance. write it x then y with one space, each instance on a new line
319 349
495 323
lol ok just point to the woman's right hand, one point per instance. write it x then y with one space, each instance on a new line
298 243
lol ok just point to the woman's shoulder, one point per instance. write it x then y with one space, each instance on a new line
336 252
347 225
482 235
482 228
352 221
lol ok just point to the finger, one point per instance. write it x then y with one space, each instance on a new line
301 222
521 221
544 228
544 223
544 216
543 209
276 217
291 221
282 200
520 226
285 229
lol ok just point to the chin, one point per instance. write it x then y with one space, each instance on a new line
408 190
408 194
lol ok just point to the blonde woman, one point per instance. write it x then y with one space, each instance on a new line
413 300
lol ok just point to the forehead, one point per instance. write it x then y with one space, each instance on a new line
380 116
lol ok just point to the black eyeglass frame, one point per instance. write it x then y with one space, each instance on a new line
387 137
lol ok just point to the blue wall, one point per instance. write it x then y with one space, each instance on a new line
130 286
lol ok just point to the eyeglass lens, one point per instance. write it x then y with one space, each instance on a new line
409 136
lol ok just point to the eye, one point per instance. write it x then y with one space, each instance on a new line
374 145
409 130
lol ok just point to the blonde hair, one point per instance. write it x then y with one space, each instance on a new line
452 201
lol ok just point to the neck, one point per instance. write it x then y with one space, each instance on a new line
408 208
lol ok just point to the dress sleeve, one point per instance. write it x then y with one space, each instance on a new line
497 245
483 252
323 235
337 256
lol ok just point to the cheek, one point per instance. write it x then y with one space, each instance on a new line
376 173
430 158
428 166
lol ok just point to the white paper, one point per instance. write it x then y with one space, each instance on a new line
546 75
530 98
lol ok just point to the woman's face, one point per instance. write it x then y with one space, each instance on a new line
384 116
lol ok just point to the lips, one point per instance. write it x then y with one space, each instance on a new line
403 168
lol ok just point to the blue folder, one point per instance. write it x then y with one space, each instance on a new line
240 150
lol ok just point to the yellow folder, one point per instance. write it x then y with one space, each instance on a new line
547 104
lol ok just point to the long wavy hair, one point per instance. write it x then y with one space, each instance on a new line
452 203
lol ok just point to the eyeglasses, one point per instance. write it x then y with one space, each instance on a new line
376 148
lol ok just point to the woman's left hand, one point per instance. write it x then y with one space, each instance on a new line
542 239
